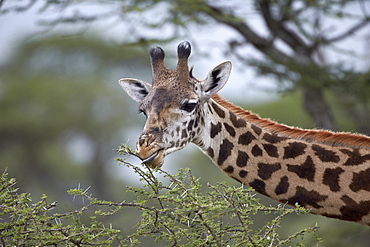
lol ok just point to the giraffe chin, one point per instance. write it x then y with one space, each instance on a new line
155 160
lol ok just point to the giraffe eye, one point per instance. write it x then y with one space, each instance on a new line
188 106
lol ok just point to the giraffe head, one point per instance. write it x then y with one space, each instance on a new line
172 104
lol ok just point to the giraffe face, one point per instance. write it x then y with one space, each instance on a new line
172 104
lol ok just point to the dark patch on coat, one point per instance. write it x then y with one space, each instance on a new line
210 152
354 211
265 171
259 186
229 169
306 170
246 138
190 125
225 151
354 157
242 159
256 129
283 186
230 129
293 150
273 138
256 151
307 198
361 181
237 122
215 129
271 150
196 122
324 154
331 178
243 173
218 110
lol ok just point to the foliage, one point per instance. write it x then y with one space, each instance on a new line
27 223
176 212
182 212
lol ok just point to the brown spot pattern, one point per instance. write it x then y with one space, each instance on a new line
256 129
361 181
230 129
215 129
354 211
354 157
210 152
259 186
190 126
283 186
256 151
229 169
265 171
246 138
294 150
237 122
307 198
306 170
243 173
218 110
273 138
331 178
196 122
271 150
242 159
225 151
324 154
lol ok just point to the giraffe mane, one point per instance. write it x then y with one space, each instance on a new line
317 136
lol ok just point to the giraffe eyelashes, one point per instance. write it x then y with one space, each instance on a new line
188 106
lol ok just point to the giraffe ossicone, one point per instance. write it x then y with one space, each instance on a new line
325 171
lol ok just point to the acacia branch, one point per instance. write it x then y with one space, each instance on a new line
278 28
347 33
78 17
16 8
262 44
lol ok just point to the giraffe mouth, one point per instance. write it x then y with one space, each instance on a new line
154 160
151 157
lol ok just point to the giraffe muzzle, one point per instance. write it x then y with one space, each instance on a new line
150 158
154 160
149 151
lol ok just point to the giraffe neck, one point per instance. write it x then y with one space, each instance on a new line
328 175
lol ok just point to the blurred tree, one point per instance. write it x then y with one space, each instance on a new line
297 41
294 43
62 112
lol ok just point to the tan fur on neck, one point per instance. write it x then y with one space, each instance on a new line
317 136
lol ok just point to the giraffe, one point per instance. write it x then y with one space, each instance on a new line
327 172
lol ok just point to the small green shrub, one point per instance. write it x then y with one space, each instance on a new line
176 212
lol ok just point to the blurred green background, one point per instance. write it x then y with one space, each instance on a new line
62 113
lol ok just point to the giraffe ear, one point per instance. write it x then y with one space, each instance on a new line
136 89
216 79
